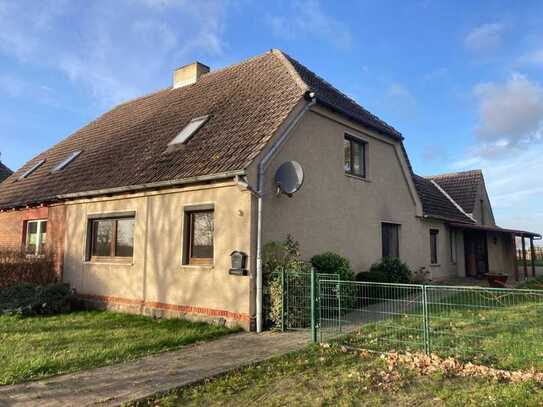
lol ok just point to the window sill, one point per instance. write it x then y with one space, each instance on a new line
357 177
435 265
109 263
194 267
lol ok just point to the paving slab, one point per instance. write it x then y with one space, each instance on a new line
121 383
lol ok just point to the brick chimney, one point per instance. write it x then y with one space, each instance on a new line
189 74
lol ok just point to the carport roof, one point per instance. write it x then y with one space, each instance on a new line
497 229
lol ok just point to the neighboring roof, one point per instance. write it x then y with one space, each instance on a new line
437 205
246 104
4 172
461 186
496 229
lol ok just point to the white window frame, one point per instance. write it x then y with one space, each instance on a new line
40 223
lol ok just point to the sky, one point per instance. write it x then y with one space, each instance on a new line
461 80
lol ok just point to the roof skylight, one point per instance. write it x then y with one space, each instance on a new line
31 170
188 131
66 161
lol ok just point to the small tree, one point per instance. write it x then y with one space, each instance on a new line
333 263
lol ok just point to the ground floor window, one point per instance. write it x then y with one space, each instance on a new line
433 245
111 237
390 236
199 228
36 237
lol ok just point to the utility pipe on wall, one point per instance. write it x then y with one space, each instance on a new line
310 98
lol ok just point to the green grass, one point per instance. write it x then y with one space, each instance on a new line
538 263
35 347
328 377
506 336
533 284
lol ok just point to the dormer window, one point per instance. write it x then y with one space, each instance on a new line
188 131
31 170
66 161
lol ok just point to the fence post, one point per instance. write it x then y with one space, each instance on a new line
338 287
314 299
284 296
426 322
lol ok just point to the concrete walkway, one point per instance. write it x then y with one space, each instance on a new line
113 385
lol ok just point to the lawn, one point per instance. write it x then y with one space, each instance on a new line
320 376
494 329
35 347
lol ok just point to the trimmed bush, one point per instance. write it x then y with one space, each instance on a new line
333 263
16 268
388 270
25 299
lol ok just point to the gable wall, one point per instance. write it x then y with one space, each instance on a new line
340 213
482 201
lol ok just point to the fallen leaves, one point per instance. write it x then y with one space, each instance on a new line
426 365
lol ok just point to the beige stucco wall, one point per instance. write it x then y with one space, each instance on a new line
156 273
333 211
483 207
500 253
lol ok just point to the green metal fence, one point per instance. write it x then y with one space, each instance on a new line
289 300
493 326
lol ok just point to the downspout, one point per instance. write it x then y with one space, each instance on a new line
262 165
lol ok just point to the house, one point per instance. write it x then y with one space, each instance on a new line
143 207
4 172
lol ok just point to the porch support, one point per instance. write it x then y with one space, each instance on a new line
515 258
524 259
532 255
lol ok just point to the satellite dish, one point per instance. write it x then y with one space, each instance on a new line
289 177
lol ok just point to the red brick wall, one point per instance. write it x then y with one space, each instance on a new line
12 230
12 225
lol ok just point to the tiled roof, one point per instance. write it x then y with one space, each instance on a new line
4 172
246 104
461 186
335 98
436 204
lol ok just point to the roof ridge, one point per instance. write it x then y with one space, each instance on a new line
452 200
452 174
349 98
285 59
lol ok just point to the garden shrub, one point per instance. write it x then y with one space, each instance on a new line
278 256
388 270
16 268
26 299
333 263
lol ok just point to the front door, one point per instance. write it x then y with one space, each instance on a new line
475 250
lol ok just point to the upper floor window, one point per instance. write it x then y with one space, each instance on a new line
36 236
390 235
111 237
433 246
355 156
199 229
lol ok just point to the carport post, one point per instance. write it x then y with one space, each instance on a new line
524 259
515 258
532 254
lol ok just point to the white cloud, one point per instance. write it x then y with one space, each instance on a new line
485 38
113 53
307 19
534 58
510 114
